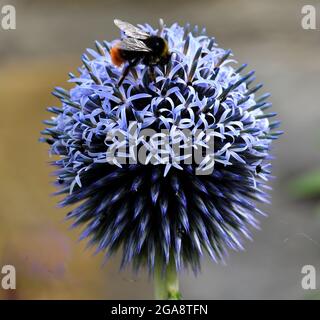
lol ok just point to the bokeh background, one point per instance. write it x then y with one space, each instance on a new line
47 44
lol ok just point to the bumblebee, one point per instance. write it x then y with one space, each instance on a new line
138 47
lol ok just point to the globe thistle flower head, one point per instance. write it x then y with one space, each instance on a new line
165 206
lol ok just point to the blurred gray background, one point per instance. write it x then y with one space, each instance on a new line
47 44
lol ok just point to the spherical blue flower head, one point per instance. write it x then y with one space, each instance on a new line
161 209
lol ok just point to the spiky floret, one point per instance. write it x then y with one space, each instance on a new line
163 210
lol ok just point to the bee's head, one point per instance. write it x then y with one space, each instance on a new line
159 47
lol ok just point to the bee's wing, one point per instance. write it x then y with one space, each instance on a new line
130 30
132 44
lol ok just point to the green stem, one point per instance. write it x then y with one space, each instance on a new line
166 282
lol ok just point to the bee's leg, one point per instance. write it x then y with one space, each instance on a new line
124 74
152 74
126 70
